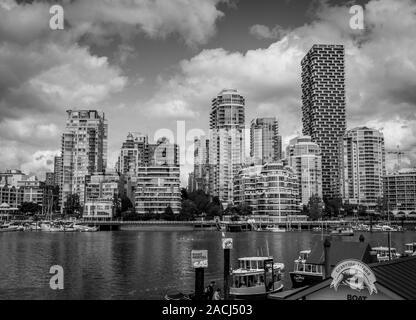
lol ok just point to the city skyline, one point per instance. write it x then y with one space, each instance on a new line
145 94
206 151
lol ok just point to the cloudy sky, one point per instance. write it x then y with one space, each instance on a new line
149 63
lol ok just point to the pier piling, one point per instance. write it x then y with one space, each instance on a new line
227 274
199 284
327 245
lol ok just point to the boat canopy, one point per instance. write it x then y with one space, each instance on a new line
308 268
252 263
383 249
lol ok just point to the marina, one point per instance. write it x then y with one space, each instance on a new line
114 265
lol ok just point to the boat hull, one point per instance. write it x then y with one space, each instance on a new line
342 234
300 279
261 295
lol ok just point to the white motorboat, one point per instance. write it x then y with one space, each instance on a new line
362 227
82 228
50 227
384 228
342 232
256 277
410 249
383 253
274 229
7 227
305 274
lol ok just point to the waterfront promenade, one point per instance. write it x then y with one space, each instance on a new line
224 225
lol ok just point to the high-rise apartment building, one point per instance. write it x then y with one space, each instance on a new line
158 187
163 153
84 151
102 191
323 108
57 170
270 190
362 158
226 142
400 191
50 179
304 157
191 183
246 187
134 153
201 164
265 141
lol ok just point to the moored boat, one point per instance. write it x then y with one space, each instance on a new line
361 227
256 277
342 231
305 274
8 227
50 227
274 229
82 228
386 228
383 254
410 249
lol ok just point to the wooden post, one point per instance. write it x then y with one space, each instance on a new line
227 274
199 260
389 241
327 245
199 284
371 223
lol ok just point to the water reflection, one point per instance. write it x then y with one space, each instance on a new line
138 264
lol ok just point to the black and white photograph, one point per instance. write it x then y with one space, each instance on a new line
211 153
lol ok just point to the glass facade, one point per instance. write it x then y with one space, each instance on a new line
304 157
362 158
226 143
270 189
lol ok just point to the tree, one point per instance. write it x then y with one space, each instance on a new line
332 206
244 209
230 210
349 209
235 218
184 194
168 214
188 210
315 208
215 208
362 211
201 200
381 205
30 208
130 216
72 205
116 206
126 203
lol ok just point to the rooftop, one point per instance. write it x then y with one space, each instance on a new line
398 275
255 258
341 250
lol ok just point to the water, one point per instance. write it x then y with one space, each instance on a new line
138 264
